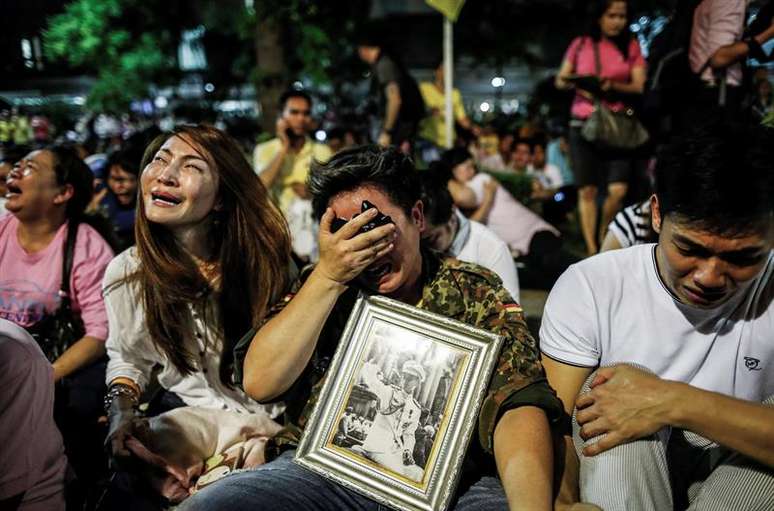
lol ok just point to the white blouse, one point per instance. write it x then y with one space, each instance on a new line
133 355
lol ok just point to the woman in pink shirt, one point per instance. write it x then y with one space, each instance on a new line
621 75
47 191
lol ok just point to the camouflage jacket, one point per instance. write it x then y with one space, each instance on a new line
462 291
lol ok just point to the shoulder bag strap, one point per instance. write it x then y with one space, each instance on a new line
67 261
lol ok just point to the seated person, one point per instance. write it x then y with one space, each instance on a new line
33 457
547 175
282 164
176 302
8 157
288 355
522 157
449 232
522 229
500 160
692 427
48 190
630 226
118 199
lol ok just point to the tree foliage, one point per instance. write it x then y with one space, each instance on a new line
131 44
103 37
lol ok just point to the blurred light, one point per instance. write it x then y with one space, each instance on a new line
485 106
498 81
79 100
298 85
320 135
26 48
511 106
161 102
559 196
635 27
209 87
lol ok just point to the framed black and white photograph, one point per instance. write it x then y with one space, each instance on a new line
400 403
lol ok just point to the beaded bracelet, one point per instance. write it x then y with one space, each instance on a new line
120 389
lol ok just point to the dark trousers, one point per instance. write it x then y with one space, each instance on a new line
78 405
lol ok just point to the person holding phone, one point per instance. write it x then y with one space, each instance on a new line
287 357
614 77
282 164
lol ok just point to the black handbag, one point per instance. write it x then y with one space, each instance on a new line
56 332
608 128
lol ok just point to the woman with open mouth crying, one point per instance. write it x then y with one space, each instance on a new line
212 254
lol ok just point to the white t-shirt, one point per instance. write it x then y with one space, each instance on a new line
614 308
133 355
549 176
482 246
512 221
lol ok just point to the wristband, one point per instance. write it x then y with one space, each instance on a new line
120 389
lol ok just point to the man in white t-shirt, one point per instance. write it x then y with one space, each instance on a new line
449 232
694 312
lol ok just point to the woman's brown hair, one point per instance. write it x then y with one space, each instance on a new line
249 241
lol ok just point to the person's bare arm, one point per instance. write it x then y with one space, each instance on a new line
82 353
635 85
281 349
272 170
481 214
524 457
736 51
610 242
462 195
567 381
626 403
392 93
565 70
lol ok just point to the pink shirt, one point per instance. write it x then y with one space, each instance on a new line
612 63
29 283
716 23
32 458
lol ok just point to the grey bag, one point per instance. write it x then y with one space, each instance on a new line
618 130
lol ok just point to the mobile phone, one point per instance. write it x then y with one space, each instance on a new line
378 221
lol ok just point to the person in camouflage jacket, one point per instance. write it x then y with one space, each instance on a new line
287 357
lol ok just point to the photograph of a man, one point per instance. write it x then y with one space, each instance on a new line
390 441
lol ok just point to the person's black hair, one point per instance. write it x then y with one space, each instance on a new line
622 40
538 139
294 93
371 34
450 159
13 154
126 158
718 179
436 200
523 140
71 170
388 170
